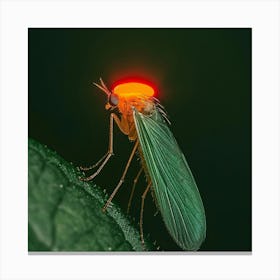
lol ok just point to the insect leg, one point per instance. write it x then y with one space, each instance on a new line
142 210
85 168
109 153
133 189
122 178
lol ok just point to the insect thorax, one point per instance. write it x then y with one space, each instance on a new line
145 106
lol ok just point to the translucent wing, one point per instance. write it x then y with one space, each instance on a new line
173 184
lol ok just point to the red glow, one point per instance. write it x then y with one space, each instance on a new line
130 86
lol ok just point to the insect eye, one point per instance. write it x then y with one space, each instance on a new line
113 99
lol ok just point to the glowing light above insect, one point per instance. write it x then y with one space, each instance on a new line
133 89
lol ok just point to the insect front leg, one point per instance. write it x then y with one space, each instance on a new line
86 168
122 178
109 153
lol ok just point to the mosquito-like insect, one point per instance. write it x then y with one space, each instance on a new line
143 119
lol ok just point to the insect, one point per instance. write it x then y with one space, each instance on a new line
141 117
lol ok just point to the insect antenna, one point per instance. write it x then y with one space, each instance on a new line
103 87
103 84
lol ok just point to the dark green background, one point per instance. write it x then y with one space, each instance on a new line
203 78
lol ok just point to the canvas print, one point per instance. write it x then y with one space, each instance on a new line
139 139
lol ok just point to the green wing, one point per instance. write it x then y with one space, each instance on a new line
175 189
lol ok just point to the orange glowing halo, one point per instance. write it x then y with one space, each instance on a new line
133 89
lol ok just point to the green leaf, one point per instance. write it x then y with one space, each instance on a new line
64 213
